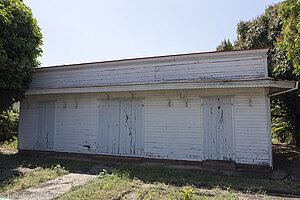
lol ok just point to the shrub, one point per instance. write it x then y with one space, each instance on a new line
9 120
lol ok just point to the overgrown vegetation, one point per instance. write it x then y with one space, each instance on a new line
18 172
159 182
9 120
278 29
31 177
119 184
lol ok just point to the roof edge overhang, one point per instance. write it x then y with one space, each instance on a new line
273 84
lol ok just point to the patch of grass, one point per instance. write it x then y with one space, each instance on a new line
202 179
18 172
105 186
134 182
121 185
31 177
137 182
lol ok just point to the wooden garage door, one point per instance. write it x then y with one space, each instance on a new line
120 127
217 128
45 134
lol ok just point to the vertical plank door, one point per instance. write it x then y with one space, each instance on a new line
120 127
46 120
217 128
109 127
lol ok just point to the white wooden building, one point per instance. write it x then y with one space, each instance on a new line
191 107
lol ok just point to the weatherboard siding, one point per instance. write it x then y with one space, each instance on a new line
223 66
76 123
28 123
172 124
172 130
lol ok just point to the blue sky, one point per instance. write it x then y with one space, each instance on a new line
77 31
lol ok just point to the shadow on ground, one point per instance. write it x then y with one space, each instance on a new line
203 179
286 161
286 158
10 164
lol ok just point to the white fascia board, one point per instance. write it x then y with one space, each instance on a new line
168 86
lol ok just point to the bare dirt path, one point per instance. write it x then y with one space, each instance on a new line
53 188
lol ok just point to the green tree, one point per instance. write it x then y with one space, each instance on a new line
9 124
20 41
289 46
278 28
226 45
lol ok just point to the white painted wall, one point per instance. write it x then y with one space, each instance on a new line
171 130
217 66
28 123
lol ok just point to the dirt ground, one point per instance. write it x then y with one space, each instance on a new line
7 151
287 158
54 188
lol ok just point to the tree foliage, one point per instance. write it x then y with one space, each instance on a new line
20 41
290 43
226 45
9 124
278 28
